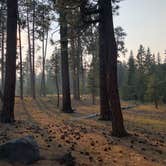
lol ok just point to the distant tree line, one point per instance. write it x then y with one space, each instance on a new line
143 78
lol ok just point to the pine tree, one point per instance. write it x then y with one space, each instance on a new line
131 79
141 81
66 100
7 115
152 93
107 29
148 62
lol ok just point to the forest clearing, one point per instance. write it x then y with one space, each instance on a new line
89 140
82 83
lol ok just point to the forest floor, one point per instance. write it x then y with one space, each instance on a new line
87 139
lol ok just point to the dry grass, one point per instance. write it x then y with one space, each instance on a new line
89 140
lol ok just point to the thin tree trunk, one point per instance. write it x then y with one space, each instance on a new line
83 80
155 99
107 38
33 54
1 96
156 103
78 68
93 98
66 100
2 50
7 115
57 88
44 53
73 63
44 60
2 58
30 52
21 72
82 72
93 81
43 68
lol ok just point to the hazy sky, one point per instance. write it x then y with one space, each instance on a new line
145 23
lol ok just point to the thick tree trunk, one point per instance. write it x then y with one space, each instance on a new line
21 71
107 38
105 111
66 100
7 115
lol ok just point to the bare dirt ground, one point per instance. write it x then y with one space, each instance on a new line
89 140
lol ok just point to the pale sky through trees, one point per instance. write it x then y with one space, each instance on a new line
145 23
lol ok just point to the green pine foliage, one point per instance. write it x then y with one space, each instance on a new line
130 85
144 79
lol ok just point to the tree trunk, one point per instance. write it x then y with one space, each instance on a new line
78 68
7 115
82 72
44 53
93 80
2 58
155 99
156 103
66 100
105 111
43 91
29 52
83 81
56 78
107 38
93 98
57 88
21 72
73 64
33 54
